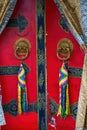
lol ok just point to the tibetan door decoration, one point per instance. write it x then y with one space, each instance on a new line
29 67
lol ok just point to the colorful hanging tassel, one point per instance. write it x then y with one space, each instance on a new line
64 107
22 91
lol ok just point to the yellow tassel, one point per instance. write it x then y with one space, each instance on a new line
19 100
59 110
67 101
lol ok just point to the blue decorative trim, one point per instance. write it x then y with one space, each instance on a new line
63 24
20 22
11 107
76 72
53 107
73 110
12 70
42 105
13 23
8 14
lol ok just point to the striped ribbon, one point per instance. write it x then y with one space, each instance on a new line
22 91
64 107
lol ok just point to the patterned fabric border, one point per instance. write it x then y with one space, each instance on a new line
10 9
11 107
73 110
20 22
62 23
54 108
42 108
12 70
76 72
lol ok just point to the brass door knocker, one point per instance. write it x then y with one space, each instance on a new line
22 48
64 49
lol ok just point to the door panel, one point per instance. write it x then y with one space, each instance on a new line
54 33
40 22
21 25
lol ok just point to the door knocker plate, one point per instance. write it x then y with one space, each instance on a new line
64 49
22 48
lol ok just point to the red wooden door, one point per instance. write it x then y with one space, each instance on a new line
39 22
21 25
56 30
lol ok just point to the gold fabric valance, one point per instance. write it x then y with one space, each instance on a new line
6 9
71 10
3 7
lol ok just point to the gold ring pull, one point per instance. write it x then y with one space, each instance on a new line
22 48
64 49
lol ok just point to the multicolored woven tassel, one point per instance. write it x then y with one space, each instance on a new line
64 106
22 91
